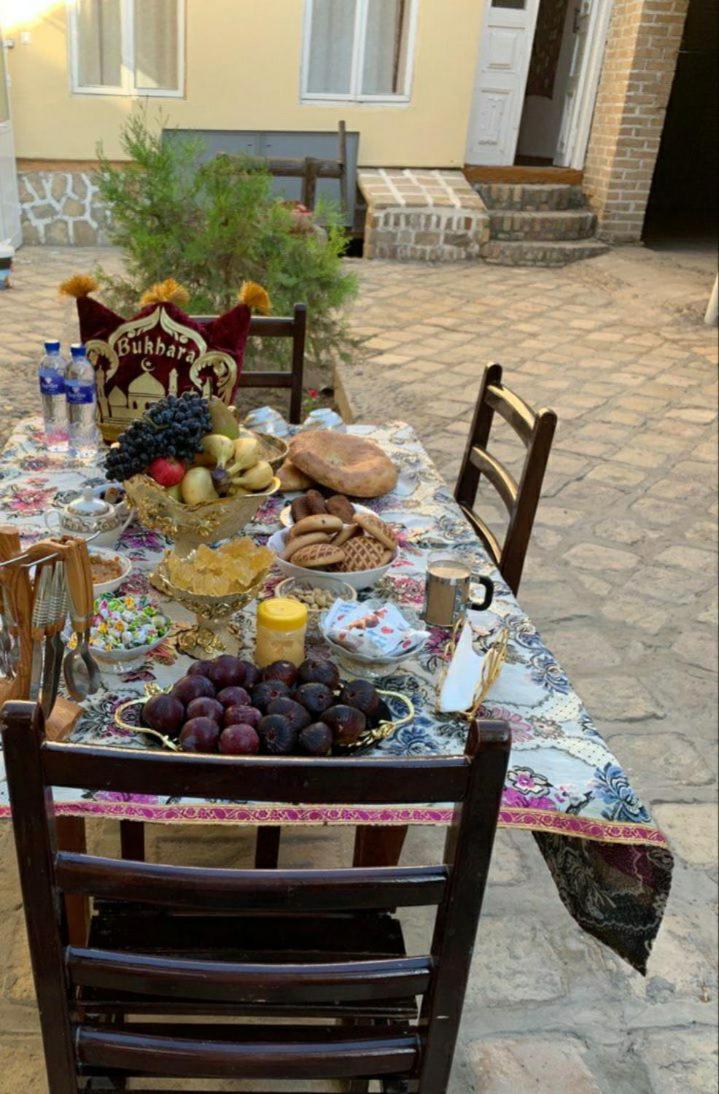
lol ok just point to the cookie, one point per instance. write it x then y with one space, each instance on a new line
341 507
376 528
361 553
294 545
318 556
299 509
347 531
316 522
315 502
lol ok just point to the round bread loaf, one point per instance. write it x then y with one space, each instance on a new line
345 463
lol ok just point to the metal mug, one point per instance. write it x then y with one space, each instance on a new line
448 590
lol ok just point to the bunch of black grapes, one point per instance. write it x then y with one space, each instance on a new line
172 427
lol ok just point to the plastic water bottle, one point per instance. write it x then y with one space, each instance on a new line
52 396
81 405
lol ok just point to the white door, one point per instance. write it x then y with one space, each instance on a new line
504 52
591 26
10 231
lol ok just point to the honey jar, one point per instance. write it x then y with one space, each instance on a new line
281 629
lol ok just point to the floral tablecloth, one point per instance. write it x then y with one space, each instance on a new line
610 862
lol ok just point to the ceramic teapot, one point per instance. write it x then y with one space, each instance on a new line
90 515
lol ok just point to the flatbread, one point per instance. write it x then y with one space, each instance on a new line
345 463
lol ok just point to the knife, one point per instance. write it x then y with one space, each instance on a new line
38 620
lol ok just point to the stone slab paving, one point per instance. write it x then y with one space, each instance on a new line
620 578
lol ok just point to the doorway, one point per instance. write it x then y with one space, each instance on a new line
10 231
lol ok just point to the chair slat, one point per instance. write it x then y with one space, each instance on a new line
266 379
513 409
342 1057
295 780
500 478
251 983
261 326
201 889
485 533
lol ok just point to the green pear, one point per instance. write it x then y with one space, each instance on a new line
223 419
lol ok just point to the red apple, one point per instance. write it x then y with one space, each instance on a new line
239 740
167 471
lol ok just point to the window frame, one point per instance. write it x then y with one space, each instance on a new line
127 87
355 94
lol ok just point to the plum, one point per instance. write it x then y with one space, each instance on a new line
314 697
192 687
199 735
318 670
363 695
204 707
164 713
226 672
251 675
277 735
239 740
234 697
346 723
295 714
280 670
317 739
200 667
242 715
268 690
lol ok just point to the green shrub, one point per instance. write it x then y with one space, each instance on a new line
213 225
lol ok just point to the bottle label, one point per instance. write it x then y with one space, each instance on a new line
52 383
79 393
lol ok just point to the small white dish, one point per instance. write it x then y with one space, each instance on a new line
102 588
359 579
286 515
361 664
123 660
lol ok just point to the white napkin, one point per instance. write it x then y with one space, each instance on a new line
372 628
463 675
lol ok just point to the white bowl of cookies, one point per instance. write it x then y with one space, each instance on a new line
321 547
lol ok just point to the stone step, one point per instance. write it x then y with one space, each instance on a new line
538 196
555 224
500 252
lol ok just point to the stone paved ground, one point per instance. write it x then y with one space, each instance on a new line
620 578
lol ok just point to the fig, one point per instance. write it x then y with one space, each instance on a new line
277 735
268 690
316 739
199 735
251 675
242 715
163 713
239 740
316 670
204 707
199 667
192 687
280 670
363 695
295 714
314 697
226 672
346 723
234 697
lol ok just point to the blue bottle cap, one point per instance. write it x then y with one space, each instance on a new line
52 346
77 349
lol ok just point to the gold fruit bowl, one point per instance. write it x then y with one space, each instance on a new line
273 449
210 634
191 525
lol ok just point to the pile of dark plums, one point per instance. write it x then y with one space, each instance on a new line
229 705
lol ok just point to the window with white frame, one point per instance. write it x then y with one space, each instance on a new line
127 47
358 50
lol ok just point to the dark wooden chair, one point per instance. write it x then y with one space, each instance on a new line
180 943
536 430
282 326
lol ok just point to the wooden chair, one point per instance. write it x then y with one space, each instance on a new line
270 326
183 943
536 429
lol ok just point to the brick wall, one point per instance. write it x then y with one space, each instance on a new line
59 207
636 80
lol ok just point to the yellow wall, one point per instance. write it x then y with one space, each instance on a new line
243 62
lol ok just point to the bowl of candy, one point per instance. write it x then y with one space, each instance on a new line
213 583
125 629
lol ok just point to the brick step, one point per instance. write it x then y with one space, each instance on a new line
556 224
538 196
500 252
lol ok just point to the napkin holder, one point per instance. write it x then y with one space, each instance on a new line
468 677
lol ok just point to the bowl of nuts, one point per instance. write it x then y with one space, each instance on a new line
318 598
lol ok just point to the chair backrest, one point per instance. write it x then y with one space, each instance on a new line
473 782
270 326
536 430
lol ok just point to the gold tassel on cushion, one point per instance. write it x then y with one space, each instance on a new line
78 285
254 296
168 291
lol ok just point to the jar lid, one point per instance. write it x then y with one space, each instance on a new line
282 613
89 505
